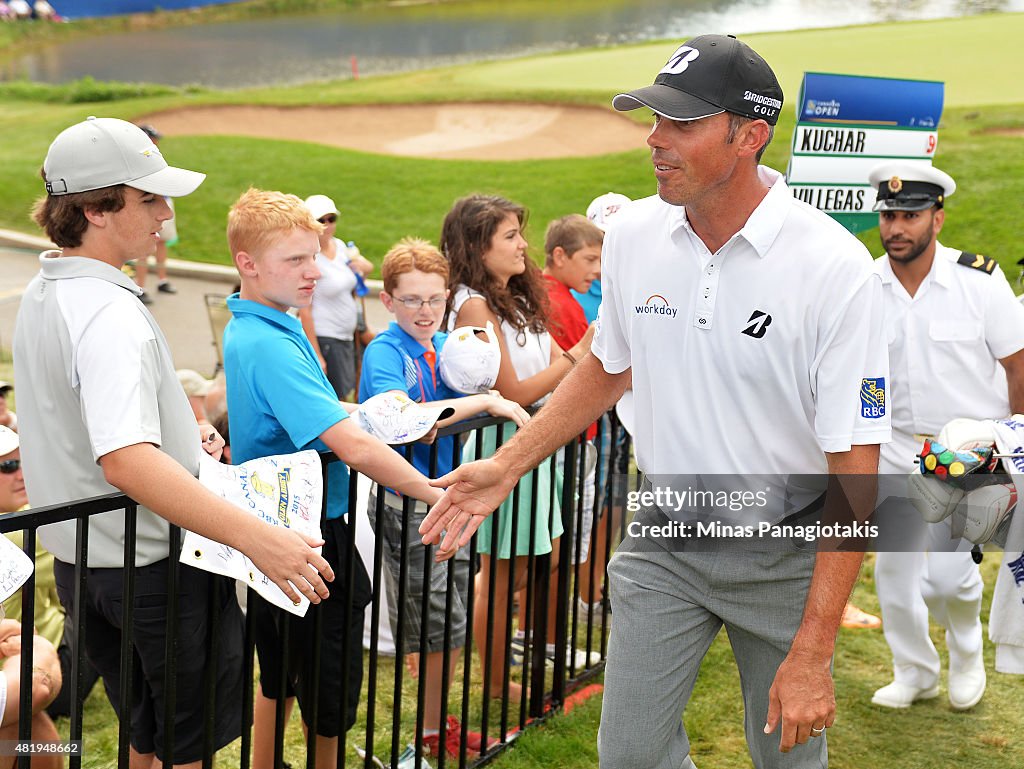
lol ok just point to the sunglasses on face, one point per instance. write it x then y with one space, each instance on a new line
329 219
9 466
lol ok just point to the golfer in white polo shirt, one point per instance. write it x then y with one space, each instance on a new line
752 326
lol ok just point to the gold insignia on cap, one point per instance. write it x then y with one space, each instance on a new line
895 185
939 200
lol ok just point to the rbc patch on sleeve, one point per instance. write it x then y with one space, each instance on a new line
872 397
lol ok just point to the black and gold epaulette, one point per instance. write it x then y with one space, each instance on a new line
977 262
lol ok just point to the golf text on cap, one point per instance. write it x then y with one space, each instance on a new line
764 105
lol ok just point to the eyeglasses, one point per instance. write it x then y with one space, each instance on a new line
414 302
9 466
329 219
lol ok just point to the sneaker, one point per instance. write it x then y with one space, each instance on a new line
592 614
166 287
454 734
145 298
407 759
577 659
517 650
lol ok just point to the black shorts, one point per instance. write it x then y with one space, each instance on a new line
196 591
336 625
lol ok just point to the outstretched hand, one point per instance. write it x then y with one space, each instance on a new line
288 560
473 492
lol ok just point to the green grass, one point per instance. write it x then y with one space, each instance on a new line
905 50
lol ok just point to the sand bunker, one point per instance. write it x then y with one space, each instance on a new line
464 131
1016 131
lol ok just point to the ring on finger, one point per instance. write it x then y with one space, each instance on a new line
816 731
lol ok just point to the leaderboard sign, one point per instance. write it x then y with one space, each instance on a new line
846 125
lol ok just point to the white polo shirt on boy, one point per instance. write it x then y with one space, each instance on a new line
755 359
106 376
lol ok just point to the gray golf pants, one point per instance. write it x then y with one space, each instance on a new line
668 608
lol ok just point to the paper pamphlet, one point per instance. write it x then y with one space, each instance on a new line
15 568
283 490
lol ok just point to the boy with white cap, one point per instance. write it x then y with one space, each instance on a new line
601 211
956 349
93 366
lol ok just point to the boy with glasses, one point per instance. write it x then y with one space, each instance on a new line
404 358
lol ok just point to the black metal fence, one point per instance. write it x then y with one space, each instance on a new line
392 711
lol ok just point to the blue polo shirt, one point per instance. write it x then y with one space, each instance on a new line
396 361
589 301
279 400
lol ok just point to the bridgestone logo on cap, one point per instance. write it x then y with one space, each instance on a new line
759 99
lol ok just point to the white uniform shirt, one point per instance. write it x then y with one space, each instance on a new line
945 343
94 374
755 359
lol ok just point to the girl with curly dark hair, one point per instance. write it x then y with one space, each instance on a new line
493 280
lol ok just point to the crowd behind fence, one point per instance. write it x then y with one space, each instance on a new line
391 712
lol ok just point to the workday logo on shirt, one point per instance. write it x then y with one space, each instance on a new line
656 304
872 397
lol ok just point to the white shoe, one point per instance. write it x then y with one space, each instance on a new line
592 614
967 687
581 659
899 695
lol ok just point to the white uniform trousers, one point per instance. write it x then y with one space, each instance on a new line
937 576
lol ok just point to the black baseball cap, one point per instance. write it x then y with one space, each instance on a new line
709 75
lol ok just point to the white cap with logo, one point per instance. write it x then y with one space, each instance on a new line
104 152
605 207
8 440
470 359
395 418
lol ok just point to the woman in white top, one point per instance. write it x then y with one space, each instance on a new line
493 280
330 321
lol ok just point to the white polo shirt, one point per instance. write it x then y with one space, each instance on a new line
755 359
94 374
945 343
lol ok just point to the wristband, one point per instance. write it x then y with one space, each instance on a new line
566 354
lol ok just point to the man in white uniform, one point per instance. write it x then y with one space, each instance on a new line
956 349
738 309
